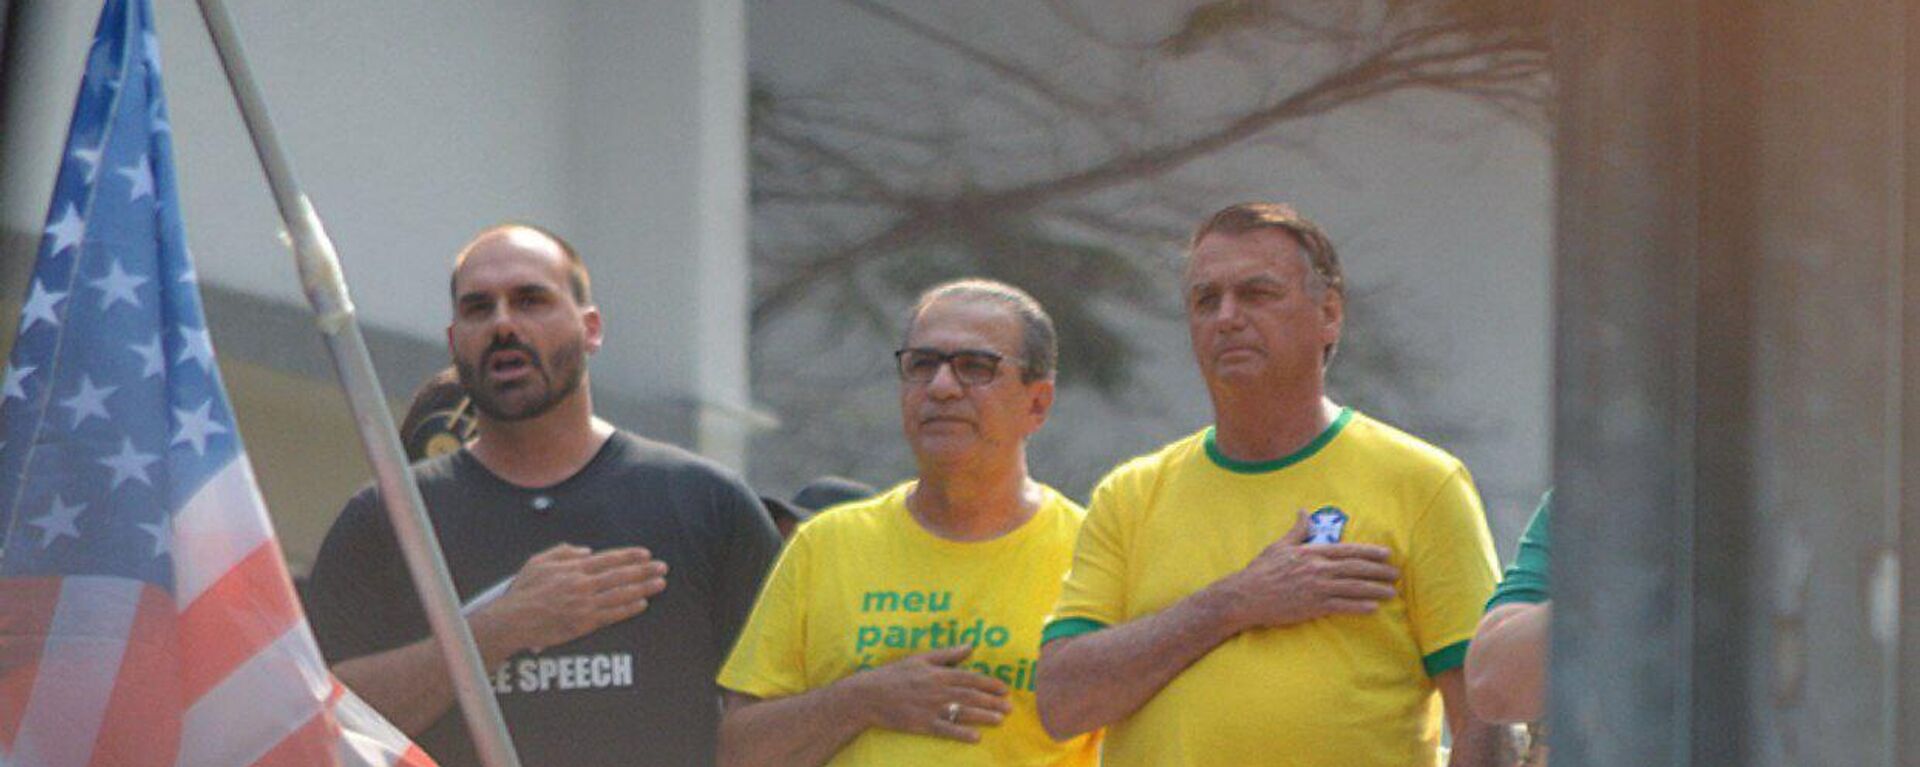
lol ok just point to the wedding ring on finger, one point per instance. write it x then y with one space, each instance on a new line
951 714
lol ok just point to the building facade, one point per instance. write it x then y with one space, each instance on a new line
622 126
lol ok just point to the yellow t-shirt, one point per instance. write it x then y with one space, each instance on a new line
1345 691
864 584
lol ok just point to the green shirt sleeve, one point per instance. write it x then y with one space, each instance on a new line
1526 578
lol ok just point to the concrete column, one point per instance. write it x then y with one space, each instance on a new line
1908 665
1907 681
1628 224
1828 215
659 173
1737 413
726 416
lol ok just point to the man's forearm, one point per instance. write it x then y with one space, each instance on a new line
1093 680
805 729
1475 741
410 685
1507 663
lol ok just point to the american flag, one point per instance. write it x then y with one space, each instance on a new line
146 617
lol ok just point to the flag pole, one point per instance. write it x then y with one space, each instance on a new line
334 314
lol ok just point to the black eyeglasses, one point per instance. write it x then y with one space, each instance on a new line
972 367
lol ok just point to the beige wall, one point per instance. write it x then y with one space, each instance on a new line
408 149
305 451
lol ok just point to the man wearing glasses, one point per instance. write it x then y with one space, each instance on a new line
903 629
1294 585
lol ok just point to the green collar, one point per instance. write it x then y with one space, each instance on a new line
1261 467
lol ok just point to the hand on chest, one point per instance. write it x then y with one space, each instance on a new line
1180 549
884 622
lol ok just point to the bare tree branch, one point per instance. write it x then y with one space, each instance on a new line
1025 77
1502 67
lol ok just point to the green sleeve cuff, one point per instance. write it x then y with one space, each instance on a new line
1069 627
1505 596
1446 658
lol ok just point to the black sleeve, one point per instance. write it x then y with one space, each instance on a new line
752 546
358 585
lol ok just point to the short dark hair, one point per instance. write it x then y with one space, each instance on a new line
577 278
1040 347
1323 263
1241 218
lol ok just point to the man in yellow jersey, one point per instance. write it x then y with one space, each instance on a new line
903 629
1294 585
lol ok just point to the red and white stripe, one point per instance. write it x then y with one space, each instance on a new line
109 672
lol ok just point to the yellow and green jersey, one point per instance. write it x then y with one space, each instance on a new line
1346 690
864 585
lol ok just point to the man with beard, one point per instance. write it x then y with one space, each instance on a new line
558 529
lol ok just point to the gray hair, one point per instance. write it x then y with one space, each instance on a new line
1040 347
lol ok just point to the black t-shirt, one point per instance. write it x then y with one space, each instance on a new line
639 692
